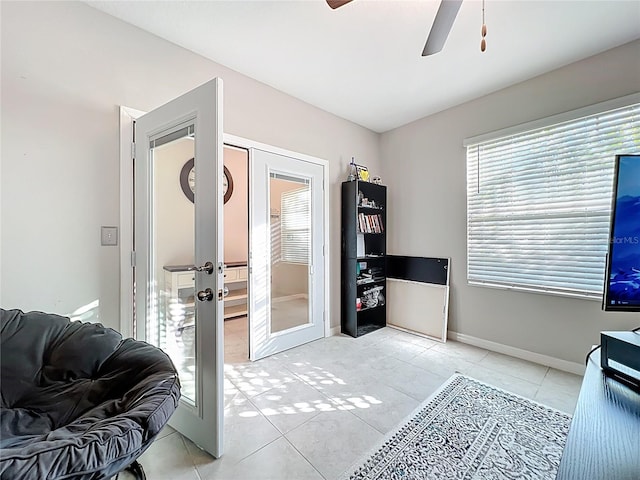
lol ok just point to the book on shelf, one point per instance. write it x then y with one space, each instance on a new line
364 278
370 223
361 224
360 245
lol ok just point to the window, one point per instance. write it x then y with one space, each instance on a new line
538 201
296 225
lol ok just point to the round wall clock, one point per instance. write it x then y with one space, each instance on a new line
227 184
188 181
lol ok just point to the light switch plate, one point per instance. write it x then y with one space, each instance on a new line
109 236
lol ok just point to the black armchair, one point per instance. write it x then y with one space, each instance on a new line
77 401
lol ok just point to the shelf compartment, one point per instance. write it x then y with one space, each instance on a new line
235 311
370 223
368 328
370 319
364 309
371 282
236 294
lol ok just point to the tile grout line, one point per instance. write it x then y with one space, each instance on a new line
303 456
193 463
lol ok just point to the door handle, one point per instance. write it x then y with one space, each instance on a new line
207 267
205 295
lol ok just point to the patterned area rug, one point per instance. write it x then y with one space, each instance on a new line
469 430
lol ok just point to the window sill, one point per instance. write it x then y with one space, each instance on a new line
539 291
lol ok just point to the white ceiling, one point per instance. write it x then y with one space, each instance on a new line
363 61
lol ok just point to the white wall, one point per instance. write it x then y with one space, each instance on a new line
174 212
427 158
66 68
174 221
236 210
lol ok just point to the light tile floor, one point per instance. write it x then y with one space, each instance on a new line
311 412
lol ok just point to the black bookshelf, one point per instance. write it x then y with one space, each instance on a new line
364 248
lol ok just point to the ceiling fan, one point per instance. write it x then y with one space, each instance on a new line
439 30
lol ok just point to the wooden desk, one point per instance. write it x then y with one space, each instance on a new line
604 437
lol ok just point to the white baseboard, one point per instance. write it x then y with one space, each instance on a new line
287 298
334 331
413 332
546 360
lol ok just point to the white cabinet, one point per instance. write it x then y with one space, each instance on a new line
235 282
179 286
176 280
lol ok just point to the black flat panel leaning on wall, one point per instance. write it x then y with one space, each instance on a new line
418 269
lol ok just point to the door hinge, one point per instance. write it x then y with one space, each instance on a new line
133 258
133 149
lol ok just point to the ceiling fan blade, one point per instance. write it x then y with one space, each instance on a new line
441 26
337 3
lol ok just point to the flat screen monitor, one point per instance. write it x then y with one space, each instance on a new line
622 278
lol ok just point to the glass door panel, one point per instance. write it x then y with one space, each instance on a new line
172 231
287 280
290 199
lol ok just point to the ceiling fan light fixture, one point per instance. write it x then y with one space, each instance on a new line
337 3
441 26
483 32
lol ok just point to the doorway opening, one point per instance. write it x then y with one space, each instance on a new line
287 261
236 254
238 153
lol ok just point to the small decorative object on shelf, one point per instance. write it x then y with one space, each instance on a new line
372 297
377 180
363 173
365 202
352 171
357 172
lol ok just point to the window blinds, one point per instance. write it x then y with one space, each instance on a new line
296 225
538 203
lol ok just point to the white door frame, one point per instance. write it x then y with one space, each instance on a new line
249 145
127 117
263 342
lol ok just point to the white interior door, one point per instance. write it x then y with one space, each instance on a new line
178 250
287 268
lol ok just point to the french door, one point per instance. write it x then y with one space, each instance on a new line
287 267
179 252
